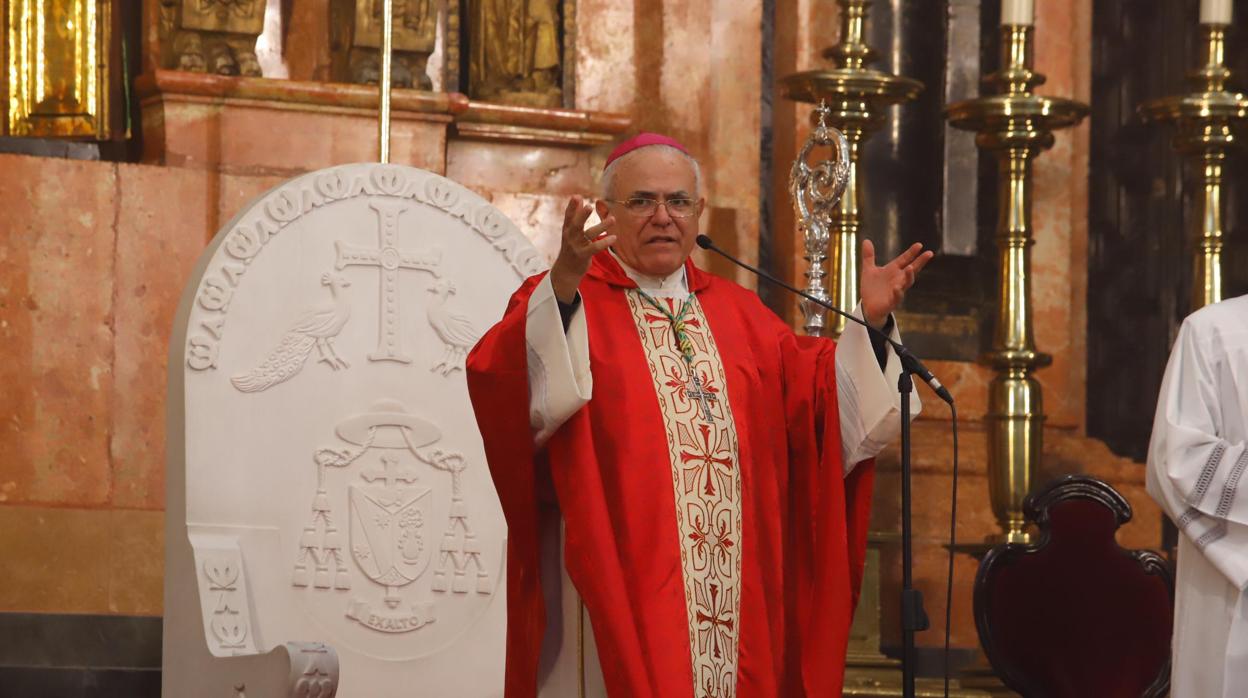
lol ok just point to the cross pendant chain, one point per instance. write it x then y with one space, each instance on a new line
695 390
683 343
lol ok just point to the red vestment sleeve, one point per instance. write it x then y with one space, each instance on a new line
498 385
829 515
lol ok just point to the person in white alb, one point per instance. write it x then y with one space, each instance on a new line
1196 463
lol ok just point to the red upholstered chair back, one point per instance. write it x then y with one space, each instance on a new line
1075 614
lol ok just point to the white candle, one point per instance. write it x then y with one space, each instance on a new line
1215 11
1023 12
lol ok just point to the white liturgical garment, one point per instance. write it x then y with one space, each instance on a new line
1196 464
560 382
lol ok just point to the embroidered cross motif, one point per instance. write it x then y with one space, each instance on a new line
716 619
699 458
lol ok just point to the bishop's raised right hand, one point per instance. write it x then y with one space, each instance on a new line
578 246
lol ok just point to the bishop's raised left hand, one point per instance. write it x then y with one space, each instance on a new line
883 288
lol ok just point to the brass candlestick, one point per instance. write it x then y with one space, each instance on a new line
1017 125
1206 121
857 98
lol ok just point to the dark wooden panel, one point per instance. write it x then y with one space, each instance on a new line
907 187
1140 248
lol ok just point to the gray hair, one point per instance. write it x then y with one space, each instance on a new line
608 173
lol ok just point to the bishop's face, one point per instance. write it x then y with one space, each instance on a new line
655 243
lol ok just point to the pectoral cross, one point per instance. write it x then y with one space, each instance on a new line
701 395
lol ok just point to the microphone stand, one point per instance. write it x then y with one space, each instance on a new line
913 616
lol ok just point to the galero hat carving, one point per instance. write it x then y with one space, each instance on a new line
388 413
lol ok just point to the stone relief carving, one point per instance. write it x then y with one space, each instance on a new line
389 259
356 27
456 331
354 490
316 329
390 190
229 618
211 36
391 528
313 669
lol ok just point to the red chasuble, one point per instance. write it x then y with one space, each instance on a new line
710 529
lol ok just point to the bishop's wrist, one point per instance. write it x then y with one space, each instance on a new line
879 322
565 284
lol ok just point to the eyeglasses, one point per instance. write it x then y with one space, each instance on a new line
676 208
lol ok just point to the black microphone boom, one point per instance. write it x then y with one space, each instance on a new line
908 360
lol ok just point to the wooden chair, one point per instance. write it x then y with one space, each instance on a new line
1075 614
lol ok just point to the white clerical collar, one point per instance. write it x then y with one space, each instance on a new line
674 285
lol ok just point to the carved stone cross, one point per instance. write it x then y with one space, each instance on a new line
389 259
390 473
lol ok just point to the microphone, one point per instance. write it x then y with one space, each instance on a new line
909 361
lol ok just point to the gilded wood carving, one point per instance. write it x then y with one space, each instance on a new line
211 36
516 51
356 37
57 58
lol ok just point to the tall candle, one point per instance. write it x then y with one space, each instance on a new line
1024 11
1215 11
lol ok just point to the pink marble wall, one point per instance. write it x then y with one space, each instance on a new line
55 325
529 183
1063 41
89 282
734 119
605 42
692 70
228 124
803 29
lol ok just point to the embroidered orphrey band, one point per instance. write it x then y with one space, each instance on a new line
706 481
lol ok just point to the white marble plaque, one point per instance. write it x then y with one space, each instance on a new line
321 437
